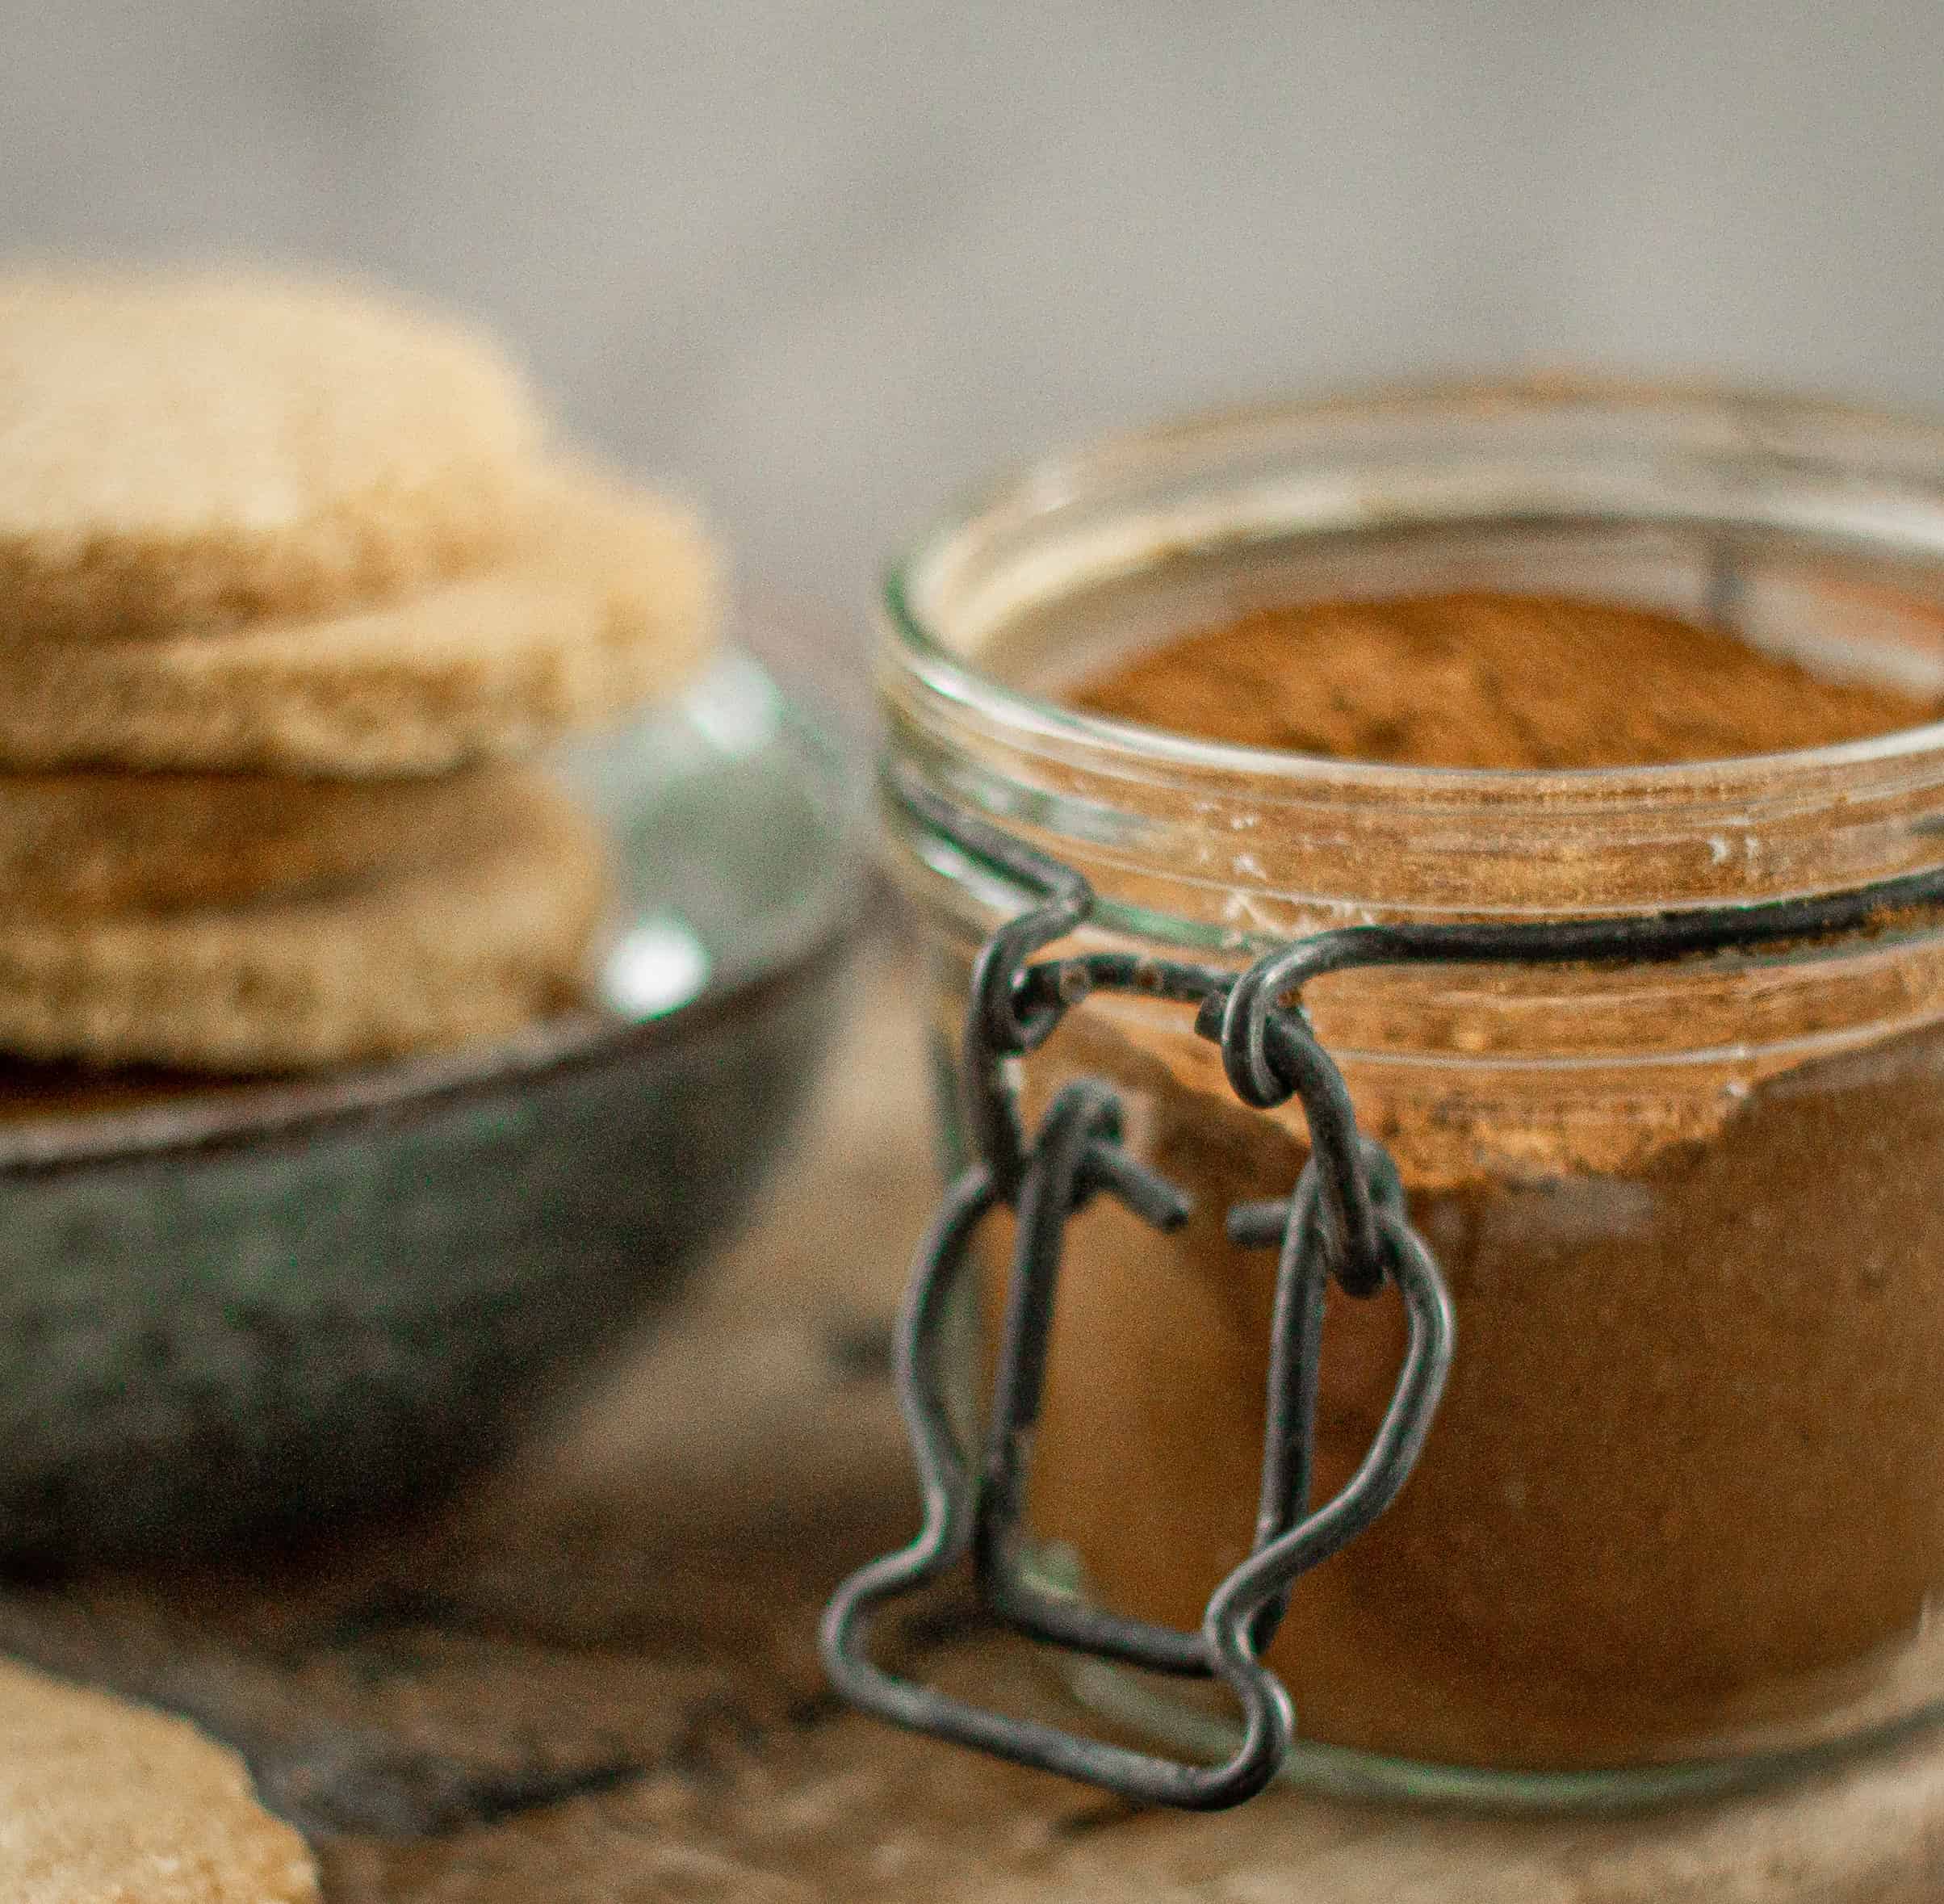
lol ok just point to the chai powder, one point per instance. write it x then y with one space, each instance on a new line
1489 681
1686 1492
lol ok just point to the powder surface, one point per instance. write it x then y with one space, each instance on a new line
1489 681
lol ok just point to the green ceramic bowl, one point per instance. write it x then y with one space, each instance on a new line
257 1309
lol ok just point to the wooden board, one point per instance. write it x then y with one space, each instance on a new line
593 1679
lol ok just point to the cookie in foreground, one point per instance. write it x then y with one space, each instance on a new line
184 451
103 1800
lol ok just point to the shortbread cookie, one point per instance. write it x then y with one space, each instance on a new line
111 842
610 601
186 451
468 949
103 1802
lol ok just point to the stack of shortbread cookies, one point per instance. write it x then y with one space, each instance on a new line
290 582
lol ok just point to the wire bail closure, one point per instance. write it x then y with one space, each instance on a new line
1345 1220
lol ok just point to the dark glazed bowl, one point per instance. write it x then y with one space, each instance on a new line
255 1308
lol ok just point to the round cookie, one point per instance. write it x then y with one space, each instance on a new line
110 841
473 947
610 601
186 451
100 1800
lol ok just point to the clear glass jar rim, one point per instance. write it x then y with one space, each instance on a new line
919 649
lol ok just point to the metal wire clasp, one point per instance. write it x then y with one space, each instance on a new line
1344 1219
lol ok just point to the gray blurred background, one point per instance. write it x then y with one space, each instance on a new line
824 262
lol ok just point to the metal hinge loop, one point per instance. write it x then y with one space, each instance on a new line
1076 1155
1345 1219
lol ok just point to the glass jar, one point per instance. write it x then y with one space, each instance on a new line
1680 1514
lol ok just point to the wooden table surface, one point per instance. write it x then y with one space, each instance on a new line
593 1679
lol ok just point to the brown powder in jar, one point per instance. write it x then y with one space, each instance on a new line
1686 1489
1489 681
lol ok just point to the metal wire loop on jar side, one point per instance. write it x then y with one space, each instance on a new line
1076 1155
1344 1219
